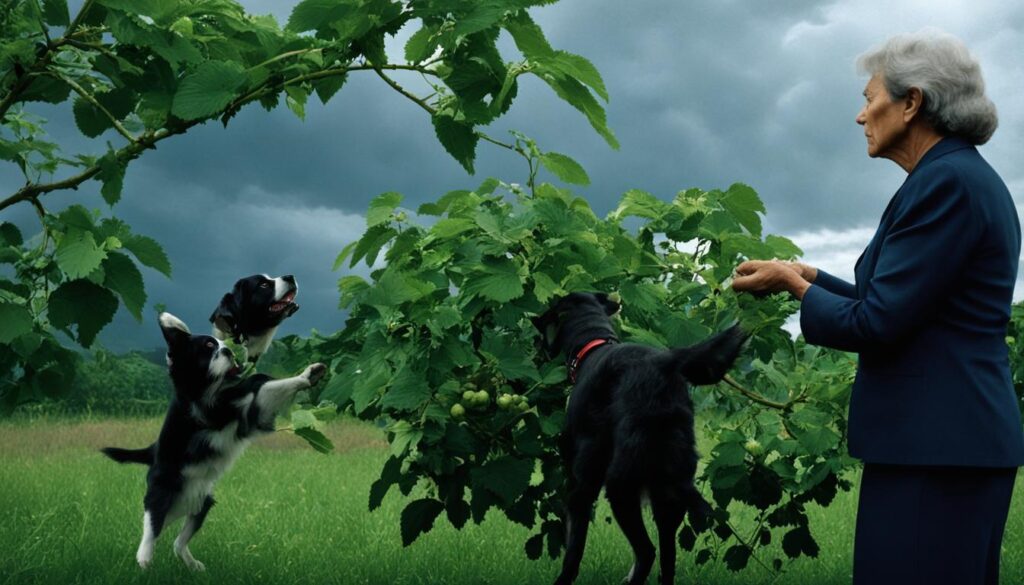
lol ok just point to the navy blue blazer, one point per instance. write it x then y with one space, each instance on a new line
928 315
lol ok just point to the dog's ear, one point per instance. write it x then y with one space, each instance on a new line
610 307
175 331
708 361
225 317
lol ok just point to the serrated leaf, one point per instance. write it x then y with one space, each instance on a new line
16 319
744 204
565 168
112 176
124 278
389 476
529 37
148 252
418 518
326 87
318 14
506 477
408 391
637 203
90 120
799 541
737 557
295 99
458 138
498 281
208 89
84 304
578 96
580 69
784 248
78 254
381 207
421 45
315 438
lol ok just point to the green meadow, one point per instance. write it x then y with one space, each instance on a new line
286 514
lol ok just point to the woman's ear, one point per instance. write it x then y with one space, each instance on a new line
913 104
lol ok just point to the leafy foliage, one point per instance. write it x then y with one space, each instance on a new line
136 72
439 345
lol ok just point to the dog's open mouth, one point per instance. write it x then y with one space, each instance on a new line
284 303
235 370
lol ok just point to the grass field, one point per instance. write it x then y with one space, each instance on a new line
289 515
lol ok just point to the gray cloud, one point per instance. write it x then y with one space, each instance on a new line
703 94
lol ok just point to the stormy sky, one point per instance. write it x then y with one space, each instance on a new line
704 93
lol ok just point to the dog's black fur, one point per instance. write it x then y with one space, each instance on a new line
212 416
629 427
253 310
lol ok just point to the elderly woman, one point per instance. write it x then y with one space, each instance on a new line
932 413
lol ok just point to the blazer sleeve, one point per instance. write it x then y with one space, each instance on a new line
835 285
923 253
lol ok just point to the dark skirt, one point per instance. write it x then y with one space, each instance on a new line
931 525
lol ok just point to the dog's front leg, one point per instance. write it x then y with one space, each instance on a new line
274 395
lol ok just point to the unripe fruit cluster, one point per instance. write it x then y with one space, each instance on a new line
513 402
481 399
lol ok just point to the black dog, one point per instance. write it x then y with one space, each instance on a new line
253 310
629 427
212 417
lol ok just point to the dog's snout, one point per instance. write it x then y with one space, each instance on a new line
288 278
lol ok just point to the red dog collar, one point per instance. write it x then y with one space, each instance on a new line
574 365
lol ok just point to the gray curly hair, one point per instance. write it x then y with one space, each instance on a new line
948 76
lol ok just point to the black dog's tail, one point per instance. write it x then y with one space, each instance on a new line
144 455
708 361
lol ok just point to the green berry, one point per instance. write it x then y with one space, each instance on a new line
469 396
458 411
482 397
504 401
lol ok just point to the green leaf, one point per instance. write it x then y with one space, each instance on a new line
799 541
208 89
318 14
458 138
744 204
84 304
499 281
421 45
148 251
326 87
578 68
78 254
506 477
10 234
784 248
381 208
737 557
639 203
315 438
91 121
112 176
389 476
122 277
16 319
408 391
565 168
579 97
295 99
418 518
529 37
55 13
512 361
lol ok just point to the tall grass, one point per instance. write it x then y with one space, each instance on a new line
288 515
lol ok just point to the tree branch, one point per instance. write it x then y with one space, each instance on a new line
755 397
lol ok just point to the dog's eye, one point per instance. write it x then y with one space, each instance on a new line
209 344
264 285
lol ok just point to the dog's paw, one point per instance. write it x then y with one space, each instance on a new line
314 373
144 558
195 565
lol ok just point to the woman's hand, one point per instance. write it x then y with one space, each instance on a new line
770 276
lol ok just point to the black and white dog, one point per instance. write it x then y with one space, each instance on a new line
629 427
251 313
212 417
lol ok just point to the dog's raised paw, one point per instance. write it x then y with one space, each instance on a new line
315 373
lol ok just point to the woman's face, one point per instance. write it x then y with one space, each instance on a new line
882 119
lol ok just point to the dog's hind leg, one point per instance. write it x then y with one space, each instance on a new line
193 522
587 469
668 511
625 501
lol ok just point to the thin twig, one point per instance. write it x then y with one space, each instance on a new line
96 104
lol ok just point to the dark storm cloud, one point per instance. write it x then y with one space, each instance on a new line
703 94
